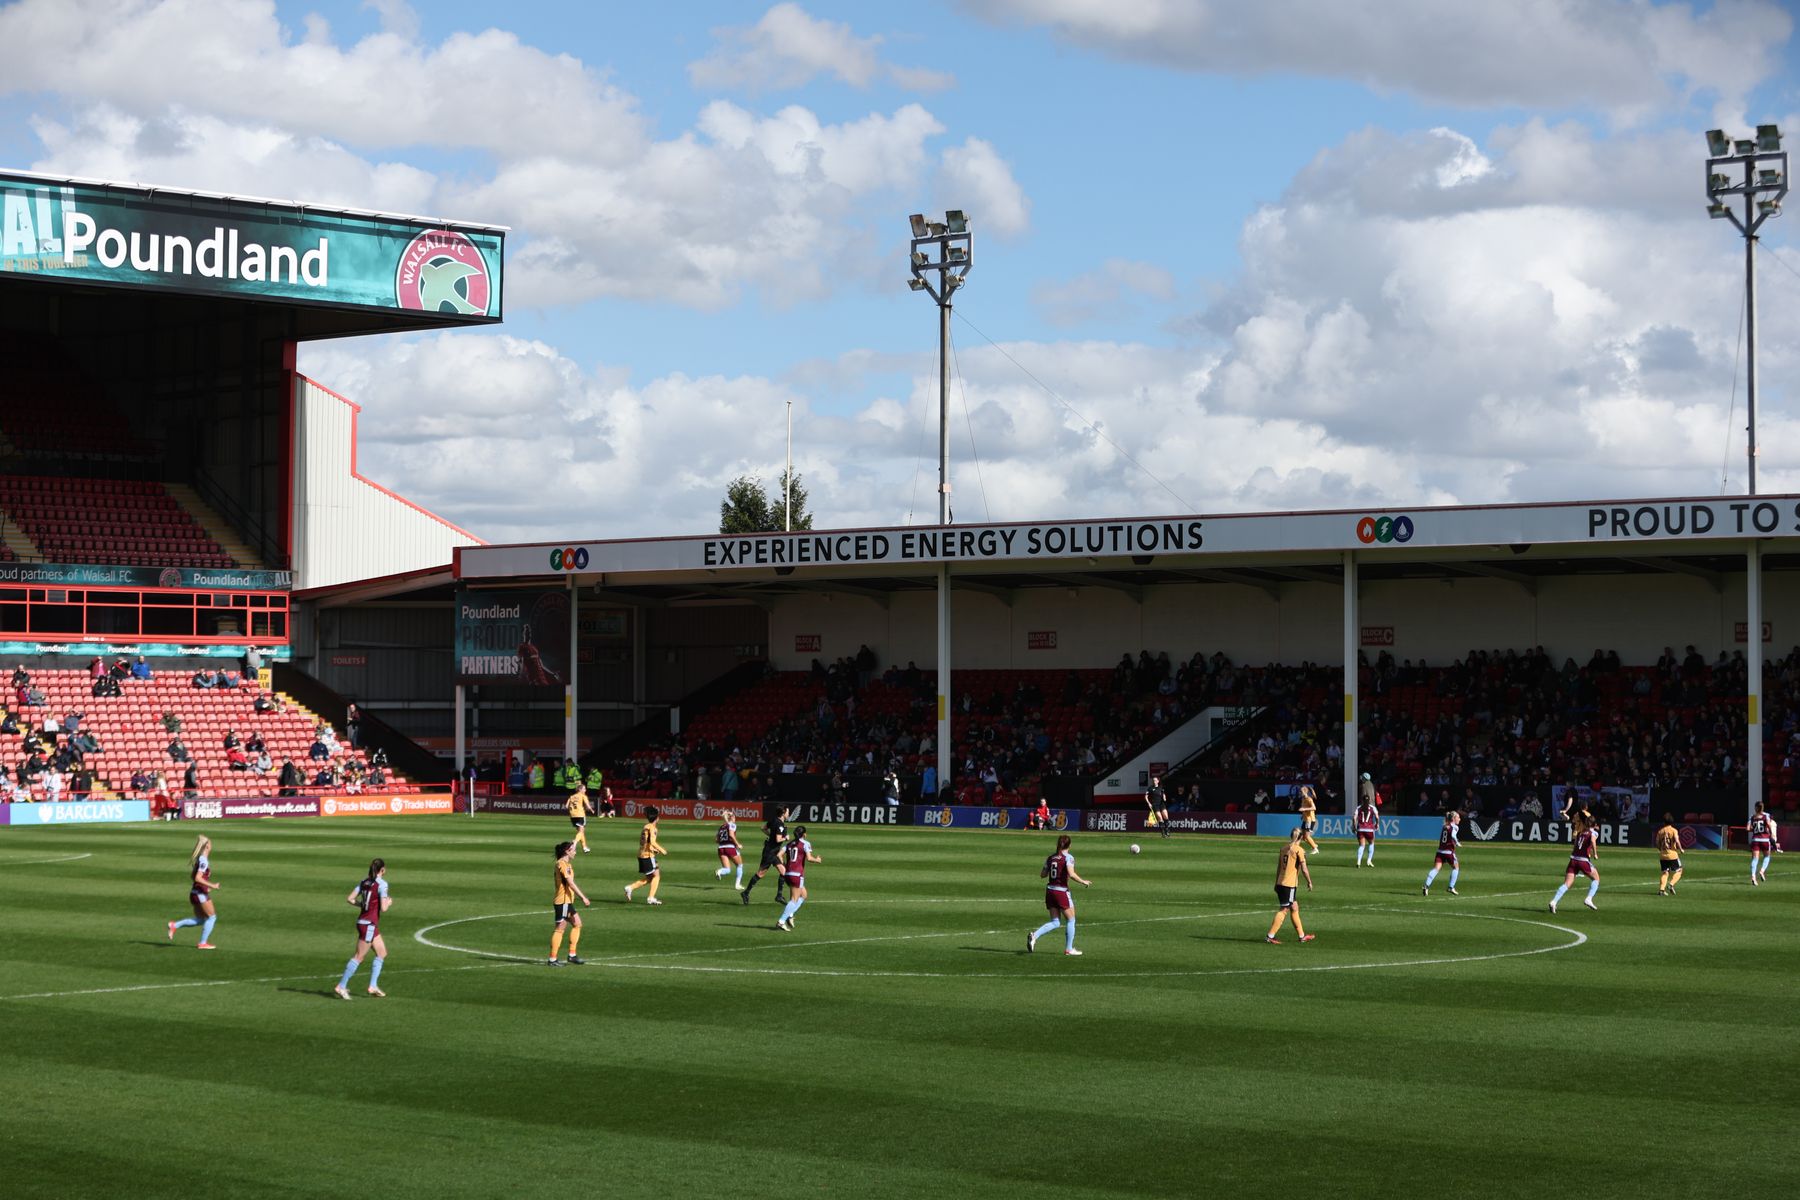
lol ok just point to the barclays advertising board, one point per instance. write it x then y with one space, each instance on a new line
1337 825
78 812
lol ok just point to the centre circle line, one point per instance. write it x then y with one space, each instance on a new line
643 962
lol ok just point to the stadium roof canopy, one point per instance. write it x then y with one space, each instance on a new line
139 257
1706 537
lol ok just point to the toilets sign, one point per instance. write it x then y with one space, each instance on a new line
183 242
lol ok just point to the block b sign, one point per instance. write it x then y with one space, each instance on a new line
1740 632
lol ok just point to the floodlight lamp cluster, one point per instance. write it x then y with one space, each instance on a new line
1755 168
942 253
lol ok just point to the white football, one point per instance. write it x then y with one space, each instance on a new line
1136 849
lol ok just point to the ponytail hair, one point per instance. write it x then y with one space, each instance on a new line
201 845
1062 842
370 884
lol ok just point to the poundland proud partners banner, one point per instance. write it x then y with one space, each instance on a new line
179 241
516 636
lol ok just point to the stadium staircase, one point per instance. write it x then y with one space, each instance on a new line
404 754
14 545
1187 741
216 526
132 737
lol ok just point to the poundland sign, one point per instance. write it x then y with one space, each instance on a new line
175 241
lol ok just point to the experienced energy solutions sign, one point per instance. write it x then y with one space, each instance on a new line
1520 526
179 241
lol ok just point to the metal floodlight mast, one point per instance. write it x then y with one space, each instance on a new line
942 253
1757 170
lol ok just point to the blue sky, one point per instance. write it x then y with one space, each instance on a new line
1308 254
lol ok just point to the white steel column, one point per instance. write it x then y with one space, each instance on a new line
1352 643
461 734
1753 658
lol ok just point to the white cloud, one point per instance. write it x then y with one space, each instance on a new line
789 47
233 58
974 177
599 208
1109 292
1622 55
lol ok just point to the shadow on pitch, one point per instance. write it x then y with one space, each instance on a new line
322 993
994 950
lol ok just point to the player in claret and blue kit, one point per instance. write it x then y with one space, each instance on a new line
1449 840
731 852
200 890
1763 844
1059 870
1581 862
795 854
370 899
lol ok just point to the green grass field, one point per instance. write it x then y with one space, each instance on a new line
900 1042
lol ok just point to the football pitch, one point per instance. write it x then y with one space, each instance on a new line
900 1041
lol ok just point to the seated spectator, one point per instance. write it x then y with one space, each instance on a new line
171 723
85 743
9 723
53 785
228 679
231 739
327 777
140 669
263 764
161 803
205 678
177 751
106 686
121 669
31 697
265 703
21 677
290 778
318 751
10 792
254 743
236 759
97 668
81 784
377 777
140 781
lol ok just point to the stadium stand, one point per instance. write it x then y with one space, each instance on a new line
56 414
133 735
108 522
1510 720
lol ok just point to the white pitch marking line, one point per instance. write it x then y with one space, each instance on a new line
200 983
26 862
639 961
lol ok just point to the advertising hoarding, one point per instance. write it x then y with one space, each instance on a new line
423 803
959 816
79 812
251 806
100 233
518 637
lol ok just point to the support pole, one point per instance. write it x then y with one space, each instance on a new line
1750 224
570 691
460 726
1352 644
1753 660
945 693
